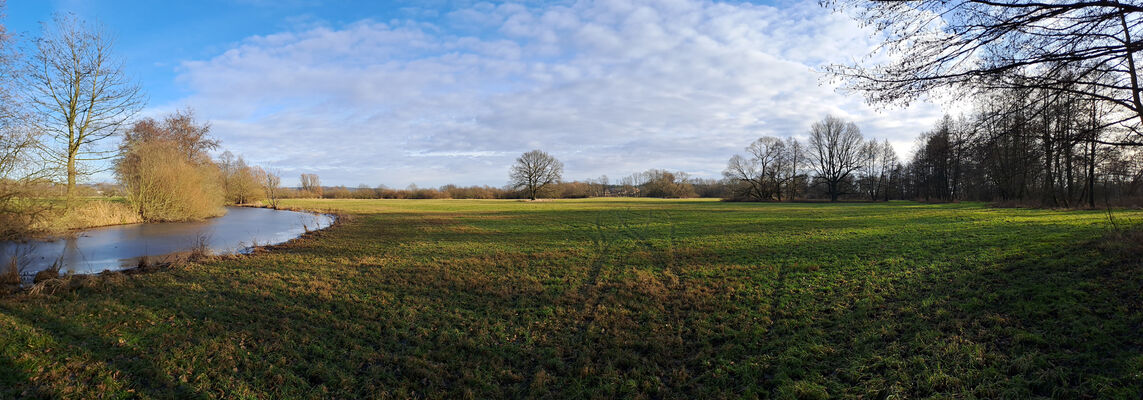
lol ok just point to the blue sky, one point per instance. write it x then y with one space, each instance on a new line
442 92
154 37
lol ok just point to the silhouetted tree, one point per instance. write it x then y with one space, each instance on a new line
835 149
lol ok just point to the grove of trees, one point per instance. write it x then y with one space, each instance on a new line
836 162
311 185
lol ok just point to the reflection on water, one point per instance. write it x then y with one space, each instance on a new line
119 247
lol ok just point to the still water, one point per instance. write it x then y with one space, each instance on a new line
120 247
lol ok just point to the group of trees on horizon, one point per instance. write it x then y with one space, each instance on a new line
837 162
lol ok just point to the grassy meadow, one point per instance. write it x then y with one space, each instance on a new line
607 298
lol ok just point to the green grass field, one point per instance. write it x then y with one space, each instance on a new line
613 298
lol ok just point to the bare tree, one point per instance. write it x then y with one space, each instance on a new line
271 183
190 136
888 162
311 184
869 179
752 182
534 171
80 94
240 181
757 173
1081 47
790 172
15 138
770 170
877 162
835 148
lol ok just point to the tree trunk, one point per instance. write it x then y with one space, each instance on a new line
1091 175
71 175
1049 195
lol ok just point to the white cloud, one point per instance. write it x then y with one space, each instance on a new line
609 87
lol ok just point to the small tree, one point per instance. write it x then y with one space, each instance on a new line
80 94
534 171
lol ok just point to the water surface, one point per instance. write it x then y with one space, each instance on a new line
120 247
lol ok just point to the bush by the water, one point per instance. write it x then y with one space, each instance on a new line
163 184
167 172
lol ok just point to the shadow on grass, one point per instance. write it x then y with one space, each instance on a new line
422 317
16 383
132 367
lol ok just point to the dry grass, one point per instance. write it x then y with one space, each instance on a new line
201 248
89 214
11 273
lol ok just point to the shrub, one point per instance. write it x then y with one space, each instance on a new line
163 184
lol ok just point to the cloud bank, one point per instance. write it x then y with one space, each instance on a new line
609 87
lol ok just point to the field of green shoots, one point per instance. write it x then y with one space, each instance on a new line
613 298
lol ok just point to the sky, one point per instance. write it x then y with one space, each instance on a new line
437 92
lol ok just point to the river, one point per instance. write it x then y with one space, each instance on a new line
119 247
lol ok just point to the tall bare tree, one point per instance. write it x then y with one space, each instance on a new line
534 171
15 139
835 148
79 93
877 162
789 173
